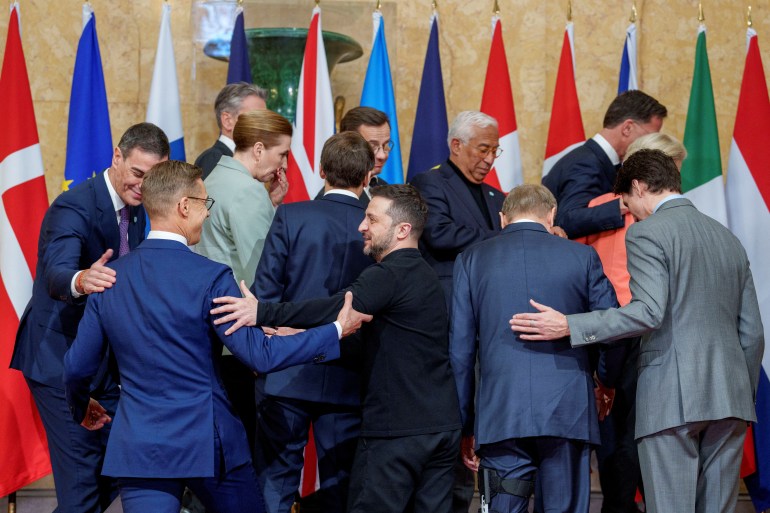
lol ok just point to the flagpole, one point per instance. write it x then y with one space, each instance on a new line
748 17
496 9
569 11
634 13
701 18
12 502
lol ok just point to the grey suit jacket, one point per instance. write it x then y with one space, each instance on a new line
695 305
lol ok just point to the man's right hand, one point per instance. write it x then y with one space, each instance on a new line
349 318
241 310
623 207
97 277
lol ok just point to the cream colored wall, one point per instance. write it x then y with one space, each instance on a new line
128 31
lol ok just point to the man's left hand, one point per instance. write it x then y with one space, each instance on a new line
558 231
546 324
96 416
470 459
241 310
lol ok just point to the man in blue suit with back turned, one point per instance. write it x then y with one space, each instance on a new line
313 250
84 228
175 426
535 411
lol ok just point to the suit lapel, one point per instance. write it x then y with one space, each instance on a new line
466 200
223 148
108 222
493 206
608 168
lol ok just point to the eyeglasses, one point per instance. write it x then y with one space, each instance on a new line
385 147
208 201
484 151
642 127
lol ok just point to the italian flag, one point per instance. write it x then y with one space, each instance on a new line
702 181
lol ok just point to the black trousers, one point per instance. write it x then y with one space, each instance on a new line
391 474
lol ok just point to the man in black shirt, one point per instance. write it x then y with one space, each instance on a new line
410 428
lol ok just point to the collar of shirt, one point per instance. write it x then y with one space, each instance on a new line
227 142
157 234
608 149
117 202
341 191
667 199
525 221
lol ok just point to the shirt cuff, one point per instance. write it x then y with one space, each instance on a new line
339 329
75 293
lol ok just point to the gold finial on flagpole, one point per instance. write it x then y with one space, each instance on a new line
634 13
317 3
748 18
379 6
496 9
701 18
569 11
434 5
240 3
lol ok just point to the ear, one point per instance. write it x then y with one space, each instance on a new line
117 157
257 150
227 121
403 231
626 127
551 217
183 207
454 146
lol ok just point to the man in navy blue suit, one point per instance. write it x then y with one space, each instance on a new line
175 426
580 176
534 411
313 249
374 126
85 227
589 170
462 210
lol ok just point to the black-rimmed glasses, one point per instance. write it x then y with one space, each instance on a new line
209 202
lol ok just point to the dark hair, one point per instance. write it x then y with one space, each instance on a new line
346 158
651 167
358 116
407 205
634 105
166 182
231 96
146 137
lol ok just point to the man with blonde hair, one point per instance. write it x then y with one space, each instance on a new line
534 412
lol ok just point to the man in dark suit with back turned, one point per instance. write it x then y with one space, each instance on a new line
85 227
374 126
232 101
313 249
580 176
462 211
410 418
535 410
174 425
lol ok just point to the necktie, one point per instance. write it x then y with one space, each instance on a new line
123 231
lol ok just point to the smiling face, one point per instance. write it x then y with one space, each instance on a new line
378 229
271 160
377 137
128 171
470 157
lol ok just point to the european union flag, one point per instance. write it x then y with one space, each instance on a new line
239 69
429 145
89 140
378 94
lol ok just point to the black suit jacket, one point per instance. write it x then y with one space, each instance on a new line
580 176
209 159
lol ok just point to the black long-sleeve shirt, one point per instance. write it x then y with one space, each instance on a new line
409 386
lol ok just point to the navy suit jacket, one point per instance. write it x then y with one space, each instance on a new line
209 159
454 220
79 226
580 176
313 250
172 404
526 389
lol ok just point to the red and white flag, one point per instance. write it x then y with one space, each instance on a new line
497 101
315 118
23 203
748 215
565 131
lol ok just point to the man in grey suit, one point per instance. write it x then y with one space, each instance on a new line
695 306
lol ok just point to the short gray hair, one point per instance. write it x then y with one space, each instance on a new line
463 125
231 96
532 199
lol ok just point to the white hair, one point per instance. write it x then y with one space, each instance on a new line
463 125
